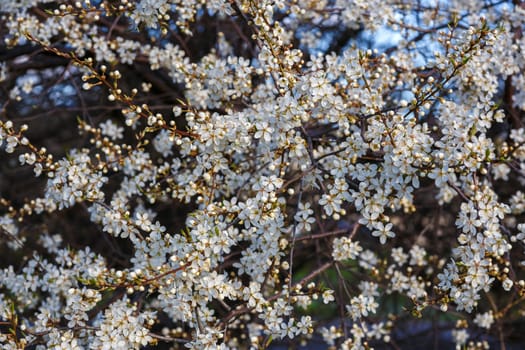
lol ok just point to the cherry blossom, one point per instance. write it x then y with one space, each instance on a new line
228 174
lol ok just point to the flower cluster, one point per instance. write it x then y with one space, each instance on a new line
228 174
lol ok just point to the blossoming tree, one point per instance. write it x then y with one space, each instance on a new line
238 174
